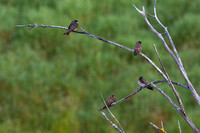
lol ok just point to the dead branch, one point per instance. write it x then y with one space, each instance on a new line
179 127
176 58
162 130
113 125
183 114
169 82
141 88
79 32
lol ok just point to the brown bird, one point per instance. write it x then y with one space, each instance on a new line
143 82
111 99
72 27
138 48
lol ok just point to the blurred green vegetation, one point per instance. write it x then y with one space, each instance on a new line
51 83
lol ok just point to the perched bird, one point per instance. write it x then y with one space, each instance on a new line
138 48
72 27
111 99
143 82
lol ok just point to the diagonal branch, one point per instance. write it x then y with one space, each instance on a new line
79 32
159 129
167 97
121 131
169 37
113 125
153 64
195 129
178 61
141 88
169 81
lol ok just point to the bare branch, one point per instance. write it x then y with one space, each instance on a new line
167 97
162 125
169 82
173 82
195 129
179 127
178 61
149 15
113 125
159 129
152 63
166 31
121 131
44 26
79 32
141 88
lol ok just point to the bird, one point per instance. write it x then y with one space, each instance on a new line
111 99
72 27
138 48
142 82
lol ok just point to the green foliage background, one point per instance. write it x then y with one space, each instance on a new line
51 83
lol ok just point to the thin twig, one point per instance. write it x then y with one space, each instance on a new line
113 125
116 44
149 15
169 81
195 129
154 65
179 127
43 26
167 97
141 88
162 125
159 129
79 32
121 131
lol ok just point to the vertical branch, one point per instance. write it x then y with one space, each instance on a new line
179 127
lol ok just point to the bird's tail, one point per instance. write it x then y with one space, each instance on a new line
67 32
150 87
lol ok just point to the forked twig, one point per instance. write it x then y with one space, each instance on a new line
141 88
162 130
121 131
176 58
112 124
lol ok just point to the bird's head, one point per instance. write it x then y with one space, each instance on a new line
140 78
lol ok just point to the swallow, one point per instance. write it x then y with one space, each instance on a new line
111 99
142 82
138 48
72 27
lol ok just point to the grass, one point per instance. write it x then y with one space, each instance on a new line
51 83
